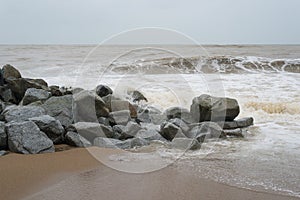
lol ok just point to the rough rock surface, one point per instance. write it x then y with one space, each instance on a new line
3 136
52 127
119 117
10 72
88 107
181 113
185 144
150 135
75 139
240 123
173 128
33 95
26 138
90 130
23 113
103 90
60 108
205 130
209 108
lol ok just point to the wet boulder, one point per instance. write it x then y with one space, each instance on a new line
55 91
173 128
124 132
19 86
26 138
3 136
76 140
103 90
119 117
209 108
88 107
181 113
23 113
60 108
238 132
110 143
240 123
52 127
90 130
185 144
10 72
32 95
150 135
205 130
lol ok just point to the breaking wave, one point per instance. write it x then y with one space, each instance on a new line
220 64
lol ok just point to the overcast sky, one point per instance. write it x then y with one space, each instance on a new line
92 21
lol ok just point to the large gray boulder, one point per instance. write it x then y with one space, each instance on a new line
88 107
3 136
23 113
181 113
10 72
173 128
119 117
32 95
209 108
103 90
26 138
205 130
19 86
52 127
90 130
185 144
60 108
124 132
75 139
150 135
240 123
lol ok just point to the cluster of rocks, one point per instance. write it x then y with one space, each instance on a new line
34 117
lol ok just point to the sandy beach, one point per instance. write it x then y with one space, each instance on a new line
25 175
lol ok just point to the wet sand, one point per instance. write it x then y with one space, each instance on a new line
75 174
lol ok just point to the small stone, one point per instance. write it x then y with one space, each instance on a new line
3 153
3 136
103 90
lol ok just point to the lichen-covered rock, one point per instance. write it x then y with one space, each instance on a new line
32 95
26 138
23 113
52 127
60 108
75 139
209 108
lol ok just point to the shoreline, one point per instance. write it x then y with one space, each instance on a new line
24 175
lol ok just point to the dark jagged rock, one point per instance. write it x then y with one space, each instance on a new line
3 136
90 130
240 123
55 91
88 107
60 108
150 135
173 128
185 144
52 127
32 95
76 140
125 132
6 94
119 117
151 114
26 138
20 85
23 113
10 72
181 113
138 96
104 121
103 90
209 108
238 132
205 130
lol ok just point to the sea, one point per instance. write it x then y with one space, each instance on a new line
265 79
